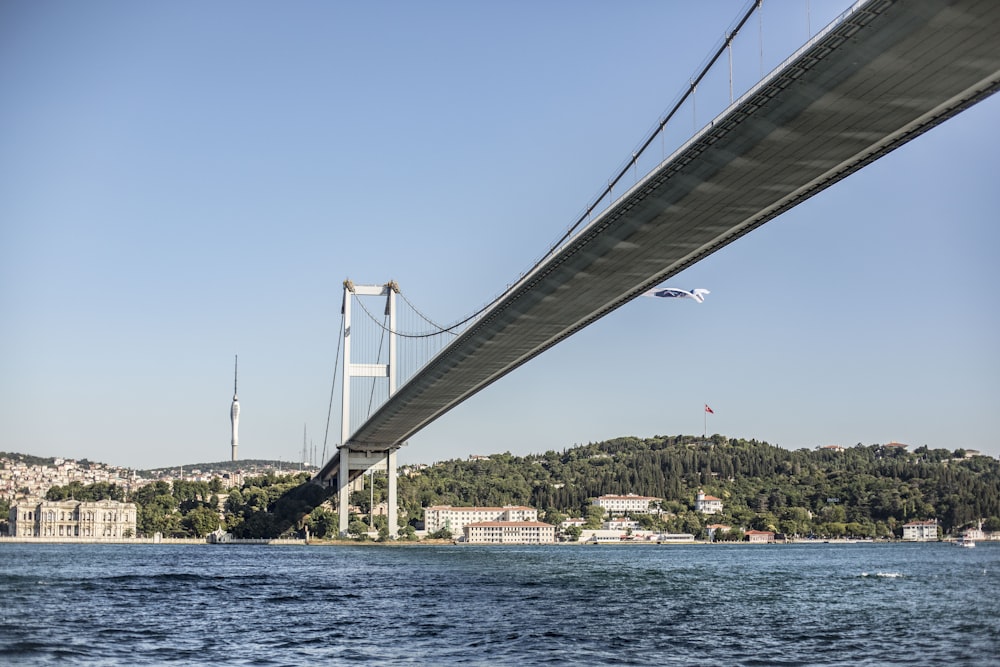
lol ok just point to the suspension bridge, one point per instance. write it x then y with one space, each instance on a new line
880 75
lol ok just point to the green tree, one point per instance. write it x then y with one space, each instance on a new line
594 516
572 533
201 521
323 523
256 525
358 529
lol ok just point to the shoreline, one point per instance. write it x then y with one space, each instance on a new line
186 541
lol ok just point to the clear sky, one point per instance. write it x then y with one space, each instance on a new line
182 182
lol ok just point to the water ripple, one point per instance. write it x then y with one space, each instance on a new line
857 605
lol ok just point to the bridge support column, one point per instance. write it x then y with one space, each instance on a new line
344 488
354 464
392 512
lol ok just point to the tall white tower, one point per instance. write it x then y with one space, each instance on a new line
234 413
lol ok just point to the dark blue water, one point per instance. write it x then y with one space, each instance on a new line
823 604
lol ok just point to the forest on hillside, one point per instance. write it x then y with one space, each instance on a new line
861 491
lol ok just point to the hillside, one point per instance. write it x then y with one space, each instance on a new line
877 487
861 491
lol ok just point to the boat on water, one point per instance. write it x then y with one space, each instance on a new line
965 542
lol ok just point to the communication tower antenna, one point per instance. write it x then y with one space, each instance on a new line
234 413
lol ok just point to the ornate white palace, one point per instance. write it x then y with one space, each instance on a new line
72 519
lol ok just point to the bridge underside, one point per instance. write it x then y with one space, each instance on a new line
887 73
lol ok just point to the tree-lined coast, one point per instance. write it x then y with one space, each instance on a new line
865 491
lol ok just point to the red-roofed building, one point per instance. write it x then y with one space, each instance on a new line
759 536
707 504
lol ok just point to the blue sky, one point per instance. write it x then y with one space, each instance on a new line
182 182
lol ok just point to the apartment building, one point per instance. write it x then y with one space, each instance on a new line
455 519
920 531
509 532
628 504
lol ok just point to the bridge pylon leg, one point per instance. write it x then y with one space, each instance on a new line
363 461
344 488
392 513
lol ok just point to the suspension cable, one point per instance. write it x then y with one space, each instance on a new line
693 85
430 334
658 130
378 358
440 328
333 384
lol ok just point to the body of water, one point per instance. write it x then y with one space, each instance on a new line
815 604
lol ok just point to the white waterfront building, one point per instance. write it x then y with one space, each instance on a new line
72 519
602 535
920 531
628 504
455 519
509 532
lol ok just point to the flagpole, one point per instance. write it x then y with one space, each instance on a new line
705 433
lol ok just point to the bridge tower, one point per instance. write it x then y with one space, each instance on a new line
354 457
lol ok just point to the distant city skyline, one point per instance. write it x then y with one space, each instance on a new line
446 146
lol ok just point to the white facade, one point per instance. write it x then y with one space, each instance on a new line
975 533
601 535
73 518
707 504
509 532
630 504
759 536
455 519
921 531
604 536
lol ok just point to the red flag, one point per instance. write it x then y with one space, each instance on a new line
709 410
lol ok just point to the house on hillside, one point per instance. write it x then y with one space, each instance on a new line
707 504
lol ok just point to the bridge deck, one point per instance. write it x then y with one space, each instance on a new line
885 74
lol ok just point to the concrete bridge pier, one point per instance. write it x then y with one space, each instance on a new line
361 462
